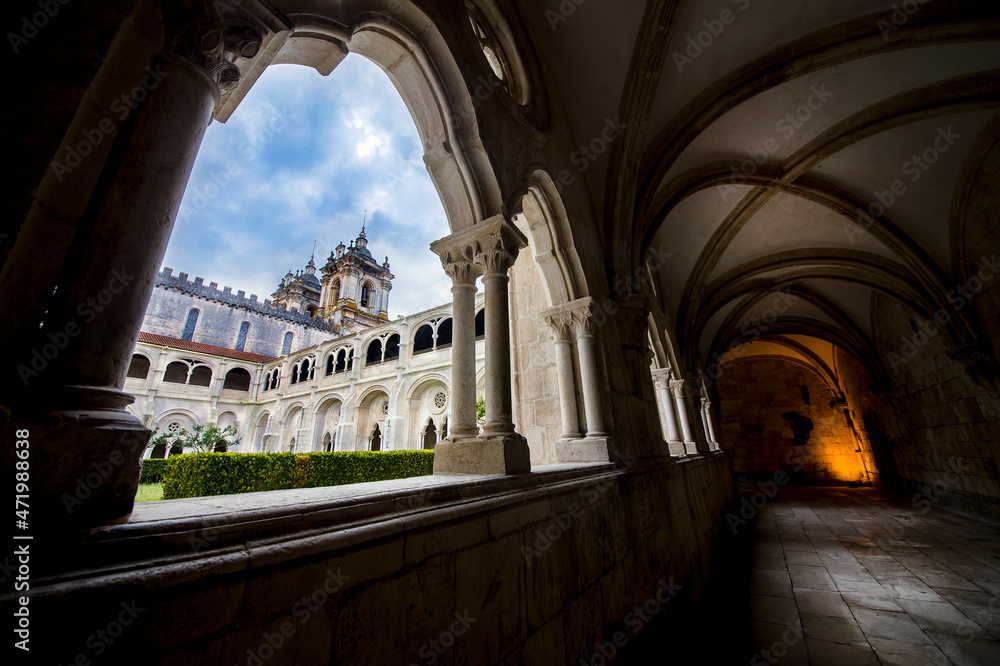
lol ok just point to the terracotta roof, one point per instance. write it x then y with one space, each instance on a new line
187 345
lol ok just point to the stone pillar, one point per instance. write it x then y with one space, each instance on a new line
639 430
677 387
589 375
661 379
463 349
562 329
710 425
488 248
74 411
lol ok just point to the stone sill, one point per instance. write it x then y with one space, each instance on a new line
176 541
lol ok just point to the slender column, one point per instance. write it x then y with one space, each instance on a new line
710 424
589 376
562 329
661 379
463 351
492 246
499 407
677 386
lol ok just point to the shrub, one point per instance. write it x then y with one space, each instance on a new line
152 470
201 474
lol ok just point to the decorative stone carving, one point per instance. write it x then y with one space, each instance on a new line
215 44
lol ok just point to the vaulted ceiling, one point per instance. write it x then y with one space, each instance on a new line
793 158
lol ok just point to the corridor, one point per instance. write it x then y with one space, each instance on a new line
835 576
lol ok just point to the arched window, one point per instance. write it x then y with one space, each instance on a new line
286 345
365 294
376 439
392 348
374 354
329 365
176 373
241 339
336 291
237 379
201 375
138 368
430 435
189 326
444 336
327 442
294 379
423 341
481 324
341 361
350 358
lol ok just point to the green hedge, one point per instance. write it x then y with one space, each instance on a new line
153 470
201 474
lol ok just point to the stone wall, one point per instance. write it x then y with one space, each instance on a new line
537 568
764 412
535 380
222 313
946 428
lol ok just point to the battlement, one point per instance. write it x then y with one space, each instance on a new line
167 280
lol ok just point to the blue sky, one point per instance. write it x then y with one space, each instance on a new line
300 160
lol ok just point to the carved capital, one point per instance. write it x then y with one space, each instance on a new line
677 388
462 273
662 378
632 320
216 44
499 243
561 324
492 246
584 319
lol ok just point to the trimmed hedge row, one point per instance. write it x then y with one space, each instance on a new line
153 470
202 474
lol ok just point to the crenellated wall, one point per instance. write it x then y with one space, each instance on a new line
222 313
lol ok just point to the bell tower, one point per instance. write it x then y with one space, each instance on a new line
355 287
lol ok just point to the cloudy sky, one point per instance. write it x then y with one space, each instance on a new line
300 160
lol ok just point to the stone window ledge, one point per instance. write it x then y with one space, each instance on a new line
176 541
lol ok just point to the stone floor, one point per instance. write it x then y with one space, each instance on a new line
845 576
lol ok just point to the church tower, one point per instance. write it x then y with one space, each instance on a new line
300 291
355 288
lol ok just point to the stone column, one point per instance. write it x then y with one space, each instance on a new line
661 379
74 410
710 425
677 387
589 375
562 329
489 248
463 349
639 432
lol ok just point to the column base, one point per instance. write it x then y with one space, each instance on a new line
584 450
691 448
676 448
84 455
488 454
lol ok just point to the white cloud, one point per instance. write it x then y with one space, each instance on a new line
351 146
